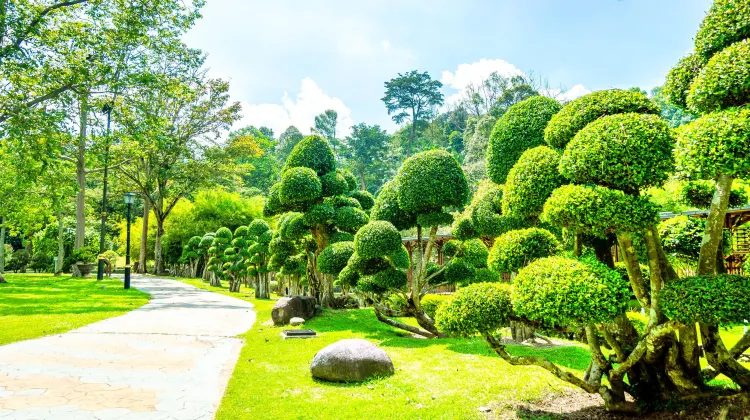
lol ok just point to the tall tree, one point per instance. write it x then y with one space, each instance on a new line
366 147
412 97
325 126
287 140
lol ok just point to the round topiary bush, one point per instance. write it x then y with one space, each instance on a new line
519 129
463 229
224 235
515 249
699 194
312 152
579 113
715 144
299 186
334 258
598 210
400 259
377 239
723 82
273 204
350 219
431 180
727 22
257 227
435 218
430 303
368 266
351 180
625 151
292 226
479 308
723 299
386 208
459 271
389 279
562 292
475 252
531 180
486 275
349 277
320 214
333 183
680 78
340 237
366 200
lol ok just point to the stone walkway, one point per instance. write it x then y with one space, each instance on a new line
170 359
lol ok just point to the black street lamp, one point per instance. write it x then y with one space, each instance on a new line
100 267
129 199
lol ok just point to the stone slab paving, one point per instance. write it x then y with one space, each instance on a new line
168 360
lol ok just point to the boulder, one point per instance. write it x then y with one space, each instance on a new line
296 321
290 307
351 360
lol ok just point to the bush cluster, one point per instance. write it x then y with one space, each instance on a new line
479 308
723 299
516 249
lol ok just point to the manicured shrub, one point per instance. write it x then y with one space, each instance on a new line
479 308
351 180
435 218
320 214
256 228
350 219
723 82
368 266
681 77
459 271
515 249
341 237
341 201
723 299
598 210
312 152
377 239
579 113
463 229
623 271
434 275
333 184
530 182
475 252
430 303
715 144
486 275
562 292
292 226
727 22
519 129
390 278
400 259
349 277
699 194
366 200
334 258
431 180
624 151
299 186
386 208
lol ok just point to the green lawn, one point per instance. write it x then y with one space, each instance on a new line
447 378
35 305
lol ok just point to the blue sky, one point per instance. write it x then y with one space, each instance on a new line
290 60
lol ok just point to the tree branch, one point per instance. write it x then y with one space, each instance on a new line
37 20
401 325
5 116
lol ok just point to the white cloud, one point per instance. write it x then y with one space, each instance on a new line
299 111
474 73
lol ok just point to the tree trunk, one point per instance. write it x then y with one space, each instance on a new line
142 252
637 282
520 331
60 238
713 234
158 258
412 134
81 174
2 245
362 178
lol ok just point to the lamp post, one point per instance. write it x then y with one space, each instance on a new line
129 199
100 267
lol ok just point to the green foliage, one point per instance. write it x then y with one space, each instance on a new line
681 77
521 128
430 303
723 82
623 151
487 275
479 308
463 229
518 248
320 214
292 226
682 236
377 239
562 292
530 182
459 271
348 276
334 258
341 201
273 204
598 210
723 299
351 180
299 186
579 113
474 252
41 262
256 228
435 276
86 255
431 180
400 259
368 266
333 184
366 200
312 152
387 208
339 236
434 218
350 219
699 194
452 247
486 211
715 144
727 22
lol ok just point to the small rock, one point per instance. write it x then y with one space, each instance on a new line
351 360
287 308
296 321
484 409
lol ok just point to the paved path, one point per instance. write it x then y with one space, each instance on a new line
170 359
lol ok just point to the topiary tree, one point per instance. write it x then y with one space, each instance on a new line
530 182
236 258
205 245
321 203
426 185
519 129
217 257
287 255
192 254
259 236
516 249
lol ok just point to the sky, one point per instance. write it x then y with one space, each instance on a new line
289 60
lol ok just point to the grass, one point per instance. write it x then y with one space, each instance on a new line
435 379
35 305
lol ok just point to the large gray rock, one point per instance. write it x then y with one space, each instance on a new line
351 360
290 307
